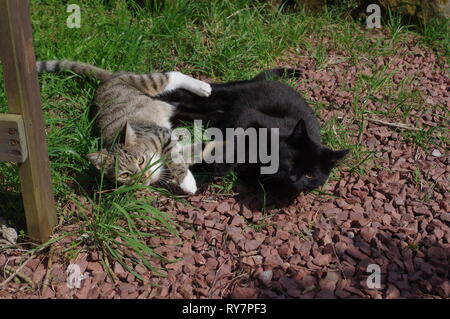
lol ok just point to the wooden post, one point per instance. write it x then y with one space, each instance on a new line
22 90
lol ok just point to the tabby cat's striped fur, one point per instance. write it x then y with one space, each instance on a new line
127 103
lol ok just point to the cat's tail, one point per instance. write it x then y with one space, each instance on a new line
56 66
275 74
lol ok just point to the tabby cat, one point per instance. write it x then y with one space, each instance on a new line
127 104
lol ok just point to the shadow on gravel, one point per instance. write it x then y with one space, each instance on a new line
421 271
255 198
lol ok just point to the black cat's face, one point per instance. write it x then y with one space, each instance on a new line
303 169
303 165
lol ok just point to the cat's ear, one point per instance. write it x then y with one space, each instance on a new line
99 159
129 135
331 158
299 133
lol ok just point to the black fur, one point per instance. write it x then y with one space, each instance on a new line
304 163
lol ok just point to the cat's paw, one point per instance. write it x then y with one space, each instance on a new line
199 87
188 185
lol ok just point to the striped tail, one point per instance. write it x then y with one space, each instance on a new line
56 66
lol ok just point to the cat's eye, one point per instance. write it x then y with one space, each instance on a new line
124 175
141 161
309 176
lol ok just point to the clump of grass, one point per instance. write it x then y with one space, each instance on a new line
395 25
225 184
119 224
320 56
436 35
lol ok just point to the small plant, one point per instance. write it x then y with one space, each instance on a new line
264 222
414 246
321 56
264 193
395 25
226 183
416 176
22 235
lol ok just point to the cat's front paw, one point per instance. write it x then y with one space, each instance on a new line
188 185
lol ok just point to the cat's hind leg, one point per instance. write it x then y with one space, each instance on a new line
178 80
154 84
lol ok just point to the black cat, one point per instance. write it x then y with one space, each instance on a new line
304 164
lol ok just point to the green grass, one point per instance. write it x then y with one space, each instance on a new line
225 40
225 184
436 35
119 224
395 25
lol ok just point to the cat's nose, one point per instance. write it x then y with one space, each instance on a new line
293 178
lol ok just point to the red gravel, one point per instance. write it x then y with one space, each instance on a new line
317 246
